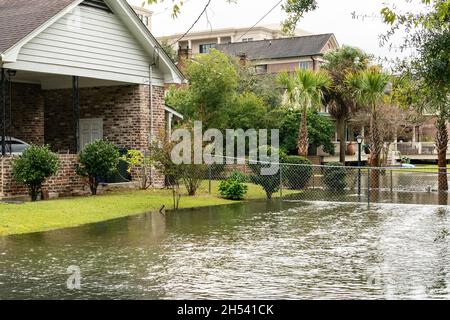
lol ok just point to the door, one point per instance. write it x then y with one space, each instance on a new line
90 130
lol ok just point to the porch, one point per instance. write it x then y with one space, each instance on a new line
67 113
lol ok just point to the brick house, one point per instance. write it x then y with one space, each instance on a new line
73 71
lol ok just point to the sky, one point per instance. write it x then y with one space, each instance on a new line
332 16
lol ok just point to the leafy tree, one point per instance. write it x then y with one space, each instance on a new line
212 86
33 167
304 90
428 72
320 129
340 64
247 111
265 86
98 160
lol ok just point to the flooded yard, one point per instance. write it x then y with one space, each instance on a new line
255 250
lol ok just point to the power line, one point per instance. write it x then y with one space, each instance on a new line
193 25
270 11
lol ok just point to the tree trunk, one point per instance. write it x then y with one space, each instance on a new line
342 139
375 148
303 141
442 146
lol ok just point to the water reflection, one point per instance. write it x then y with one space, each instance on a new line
260 250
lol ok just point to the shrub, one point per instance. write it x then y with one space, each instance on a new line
270 183
33 167
141 165
192 176
234 188
98 160
334 177
297 172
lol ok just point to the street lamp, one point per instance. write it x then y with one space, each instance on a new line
360 140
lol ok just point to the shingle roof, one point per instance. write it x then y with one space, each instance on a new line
278 48
18 18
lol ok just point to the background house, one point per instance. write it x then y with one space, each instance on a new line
203 41
285 54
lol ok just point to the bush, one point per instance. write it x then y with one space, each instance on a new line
270 183
99 160
335 177
297 172
33 167
234 188
192 176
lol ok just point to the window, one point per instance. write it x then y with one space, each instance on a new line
247 39
146 20
205 48
304 65
261 69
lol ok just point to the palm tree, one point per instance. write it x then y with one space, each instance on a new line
304 90
339 64
369 88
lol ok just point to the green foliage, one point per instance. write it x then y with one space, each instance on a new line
335 177
141 165
33 167
320 129
98 160
297 171
234 188
270 183
192 176
213 82
265 86
248 111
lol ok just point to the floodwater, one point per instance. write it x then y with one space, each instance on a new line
256 250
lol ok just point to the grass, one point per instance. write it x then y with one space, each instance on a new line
425 168
72 212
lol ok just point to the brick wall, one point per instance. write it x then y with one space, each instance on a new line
47 117
27 113
125 111
65 183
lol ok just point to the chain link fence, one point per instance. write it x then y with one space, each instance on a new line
298 182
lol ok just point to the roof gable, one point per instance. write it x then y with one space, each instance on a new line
125 15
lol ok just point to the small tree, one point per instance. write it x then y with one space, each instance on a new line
98 160
33 167
139 164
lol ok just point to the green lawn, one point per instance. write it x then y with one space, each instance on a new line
427 168
73 212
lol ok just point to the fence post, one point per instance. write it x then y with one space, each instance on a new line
392 181
209 180
368 186
281 181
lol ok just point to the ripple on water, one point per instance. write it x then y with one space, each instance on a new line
316 250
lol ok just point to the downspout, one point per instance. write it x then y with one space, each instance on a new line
150 82
3 102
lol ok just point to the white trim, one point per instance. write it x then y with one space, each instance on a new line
174 112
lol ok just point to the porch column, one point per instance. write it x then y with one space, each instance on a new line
76 110
3 102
